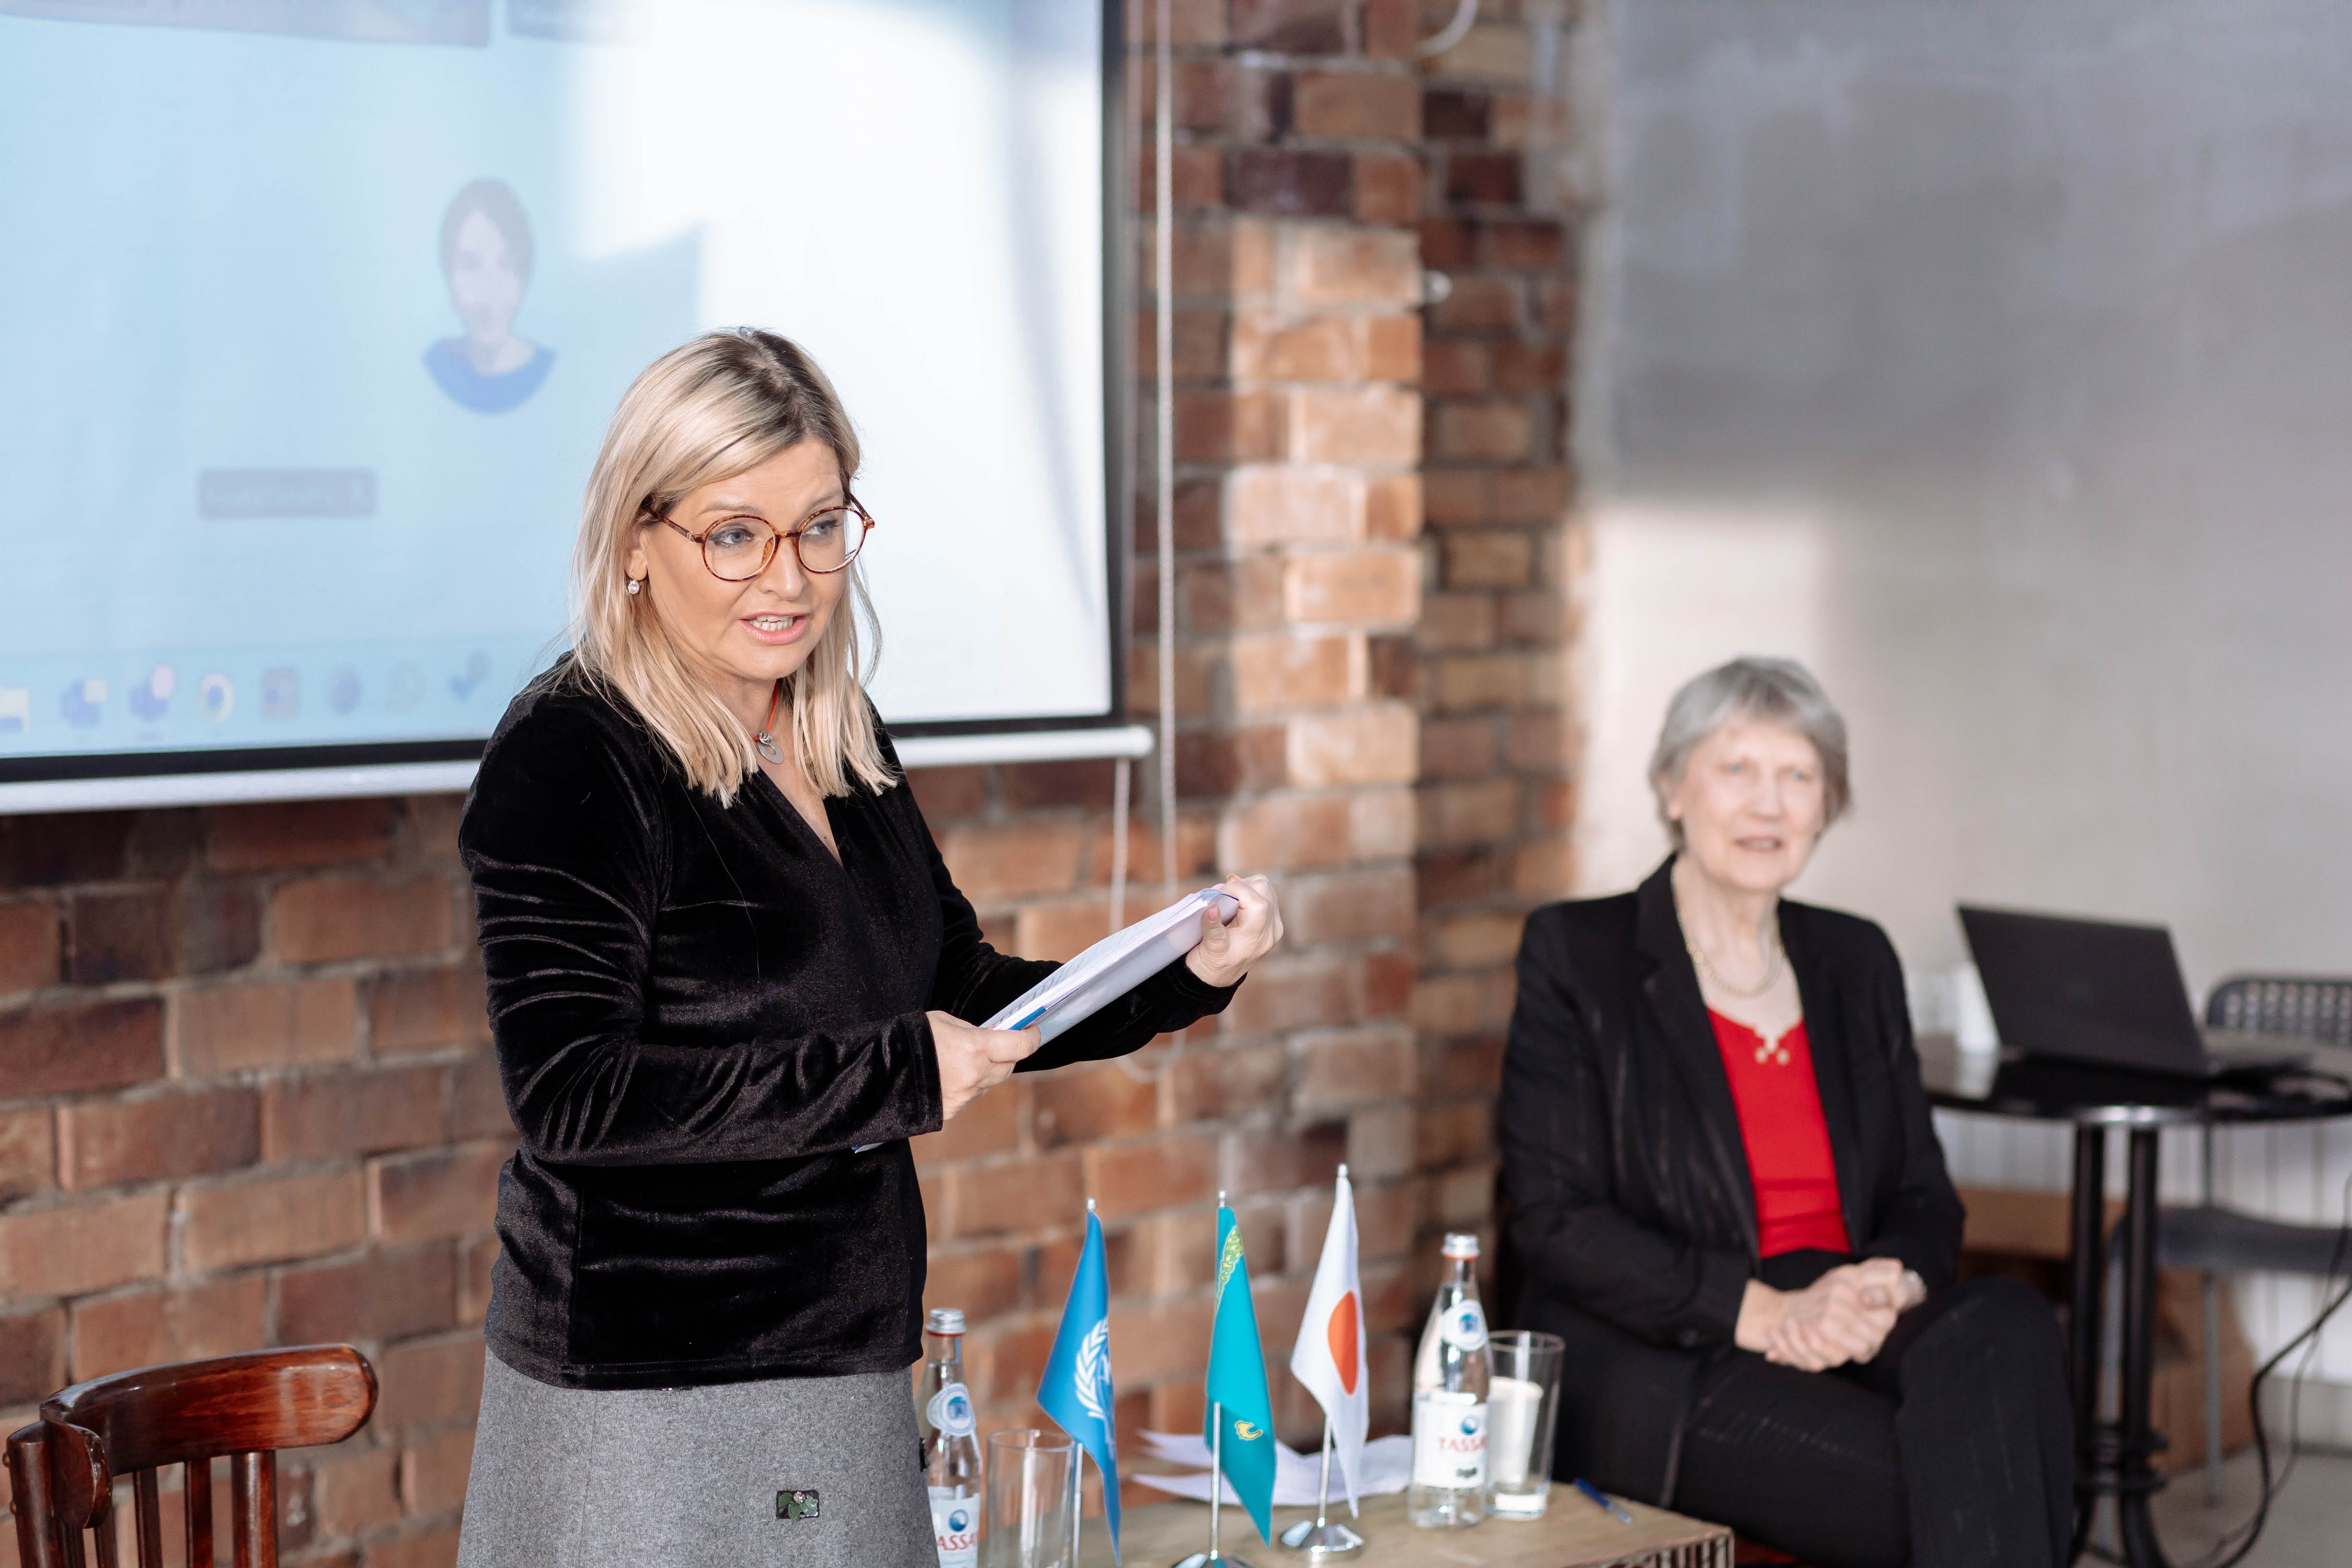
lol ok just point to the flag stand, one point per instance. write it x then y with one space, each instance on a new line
1216 1494
1325 1538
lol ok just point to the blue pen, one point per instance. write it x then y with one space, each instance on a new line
1601 1499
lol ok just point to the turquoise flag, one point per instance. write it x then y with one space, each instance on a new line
1075 1390
1237 1383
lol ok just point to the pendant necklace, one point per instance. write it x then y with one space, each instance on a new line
766 739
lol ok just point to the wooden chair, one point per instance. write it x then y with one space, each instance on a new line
65 1467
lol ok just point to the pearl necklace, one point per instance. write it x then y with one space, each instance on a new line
1771 972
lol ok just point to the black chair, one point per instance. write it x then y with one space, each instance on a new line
2215 1240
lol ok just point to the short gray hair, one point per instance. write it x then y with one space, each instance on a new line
1770 690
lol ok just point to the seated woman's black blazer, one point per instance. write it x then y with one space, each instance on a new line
1630 1226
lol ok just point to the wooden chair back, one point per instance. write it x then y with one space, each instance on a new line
66 1469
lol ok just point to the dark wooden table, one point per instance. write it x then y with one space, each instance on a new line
1573 1533
2115 1458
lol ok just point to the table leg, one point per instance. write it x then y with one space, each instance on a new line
2088 1268
2136 1477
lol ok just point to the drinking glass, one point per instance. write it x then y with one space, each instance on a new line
1029 1476
1522 1416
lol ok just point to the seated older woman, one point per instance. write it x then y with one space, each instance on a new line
1726 1194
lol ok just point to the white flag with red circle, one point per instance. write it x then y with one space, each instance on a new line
1329 1355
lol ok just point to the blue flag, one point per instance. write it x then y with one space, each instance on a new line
1075 1390
1237 1384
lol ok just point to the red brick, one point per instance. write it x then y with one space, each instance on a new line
1345 265
1458 748
432 1472
434 1547
328 917
1217 1081
1375 585
1365 424
477 1101
231 1029
433 825
1454 366
1279 348
156 932
1392 507
1443 1134
1348 1070
1379 1143
1460 813
989 1125
29 946
1363 104
1393 347
1491 178
982 1285
945 794
1290 671
1218 764
1189 22
1196 849
29 1152
425 1009
1380 823
1545 869
1018 1195
157 1136
1062 929
1080 1104
351 1111
477 1258
1227 427
377 1296
1488 680
1009 860
1289 183
1281 830
1472 941
148 1327
1030 787
280 834
1130 1178
1388 188
1481 432
1162 1340
32 1355
1349 907
1273 1160
1531 367
447 1192
1291 26
270 1220
63 1049
1372 742
427 1382
1556 304
1286 505
354 1491
1480 304
76 1249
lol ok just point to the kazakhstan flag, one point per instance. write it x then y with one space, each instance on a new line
1237 1383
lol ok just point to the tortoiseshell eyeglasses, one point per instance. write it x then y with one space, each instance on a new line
737 549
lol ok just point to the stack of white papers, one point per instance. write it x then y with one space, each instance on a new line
1387 1466
1113 966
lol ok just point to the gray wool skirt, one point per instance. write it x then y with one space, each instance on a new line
569 1478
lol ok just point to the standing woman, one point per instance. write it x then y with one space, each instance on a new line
729 978
1726 1192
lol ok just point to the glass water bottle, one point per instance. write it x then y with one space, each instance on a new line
1450 1378
950 1452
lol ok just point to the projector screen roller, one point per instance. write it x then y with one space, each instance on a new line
316 312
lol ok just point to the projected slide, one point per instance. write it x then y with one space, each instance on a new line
315 311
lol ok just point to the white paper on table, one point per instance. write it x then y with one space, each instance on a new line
1388 1467
1113 967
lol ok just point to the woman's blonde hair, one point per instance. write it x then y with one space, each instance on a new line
709 410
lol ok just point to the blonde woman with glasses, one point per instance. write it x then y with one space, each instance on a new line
729 978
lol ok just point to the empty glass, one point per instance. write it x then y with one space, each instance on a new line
1030 1506
1522 1415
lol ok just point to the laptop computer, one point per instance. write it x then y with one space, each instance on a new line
2102 991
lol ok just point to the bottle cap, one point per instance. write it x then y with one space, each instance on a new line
945 1320
1460 1244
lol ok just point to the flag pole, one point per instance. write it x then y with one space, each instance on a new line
1217 1472
1323 1480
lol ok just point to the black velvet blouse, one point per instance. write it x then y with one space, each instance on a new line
701 1017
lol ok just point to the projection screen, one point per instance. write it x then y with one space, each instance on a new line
315 313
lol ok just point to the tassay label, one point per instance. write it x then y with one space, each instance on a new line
955 1525
1449 1440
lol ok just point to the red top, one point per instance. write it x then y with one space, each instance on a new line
1787 1141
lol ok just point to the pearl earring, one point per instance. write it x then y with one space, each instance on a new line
633 586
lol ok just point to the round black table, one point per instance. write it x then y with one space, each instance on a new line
2115 1456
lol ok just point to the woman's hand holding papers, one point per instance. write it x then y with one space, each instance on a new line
973 1060
1225 952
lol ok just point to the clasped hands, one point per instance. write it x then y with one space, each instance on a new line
973 1060
1844 1316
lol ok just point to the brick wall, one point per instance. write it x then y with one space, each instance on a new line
243 1093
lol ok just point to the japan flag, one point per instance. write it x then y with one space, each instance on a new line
1329 1356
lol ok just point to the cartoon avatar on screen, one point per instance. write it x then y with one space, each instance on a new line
485 256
